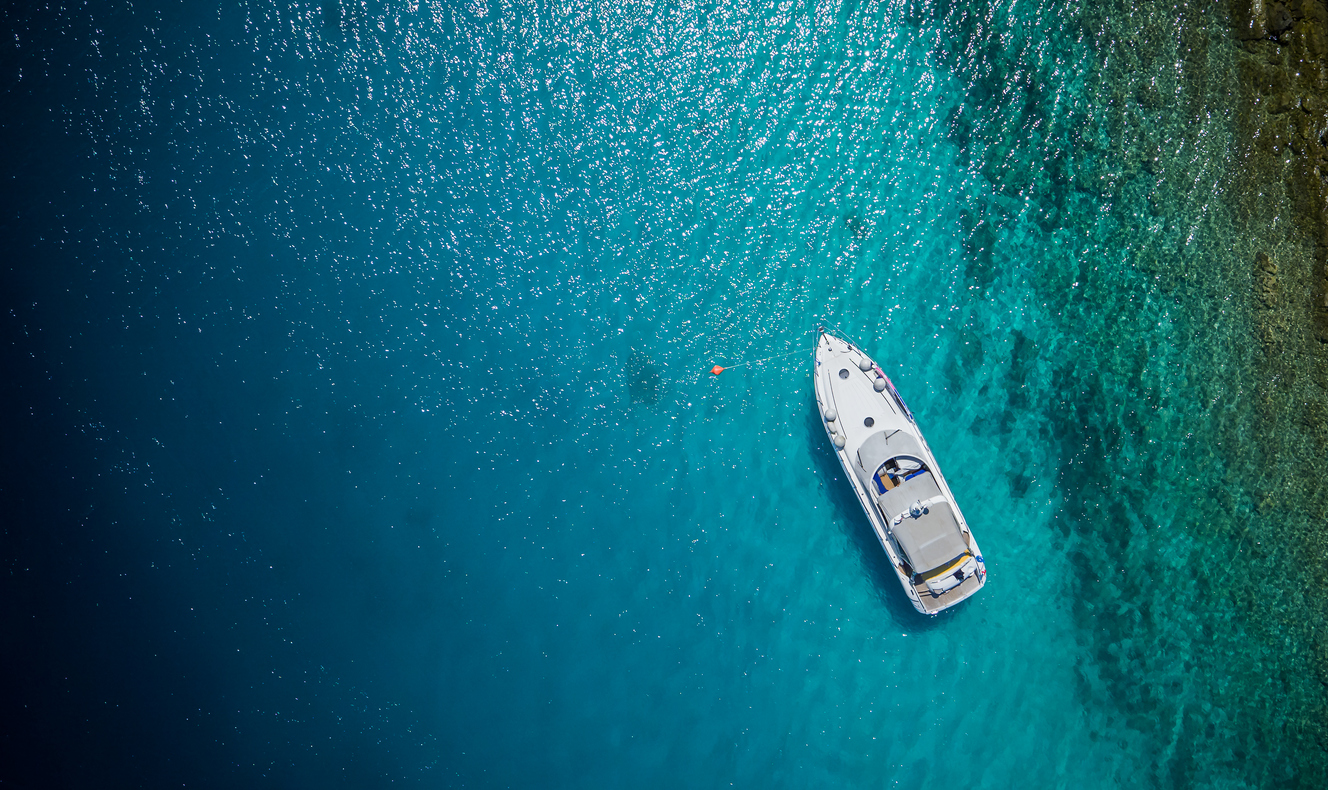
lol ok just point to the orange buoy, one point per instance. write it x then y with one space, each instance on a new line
716 370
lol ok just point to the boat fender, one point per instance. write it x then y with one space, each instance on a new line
839 440
864 364
879 385
831 415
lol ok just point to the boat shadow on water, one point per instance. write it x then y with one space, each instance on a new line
861 537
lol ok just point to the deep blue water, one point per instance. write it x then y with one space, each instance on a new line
360 432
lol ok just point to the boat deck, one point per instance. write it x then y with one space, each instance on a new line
934 603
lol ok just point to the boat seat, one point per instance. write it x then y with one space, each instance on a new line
884 482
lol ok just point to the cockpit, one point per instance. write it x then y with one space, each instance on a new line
897 471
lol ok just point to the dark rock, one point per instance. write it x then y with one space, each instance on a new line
1148 96
857 226
1019 483
979 244
1279 19
1280 96
1305 138
643 380
1266 288
1247 17
1315 42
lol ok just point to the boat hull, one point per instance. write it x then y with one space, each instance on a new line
865 418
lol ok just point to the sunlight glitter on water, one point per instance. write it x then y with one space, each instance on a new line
493 251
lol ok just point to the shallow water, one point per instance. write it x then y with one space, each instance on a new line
369 436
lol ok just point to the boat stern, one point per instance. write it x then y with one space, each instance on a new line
936 598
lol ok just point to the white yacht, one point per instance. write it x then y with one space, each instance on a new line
896 477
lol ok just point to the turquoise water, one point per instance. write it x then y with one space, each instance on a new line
375 344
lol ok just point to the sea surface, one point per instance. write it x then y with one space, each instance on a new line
359 429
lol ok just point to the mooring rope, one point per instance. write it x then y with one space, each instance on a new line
718 369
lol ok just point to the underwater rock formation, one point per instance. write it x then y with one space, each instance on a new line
1285 72
1282 192
643 380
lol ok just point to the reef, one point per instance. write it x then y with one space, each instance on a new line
1188 168
1281 195
1284 120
